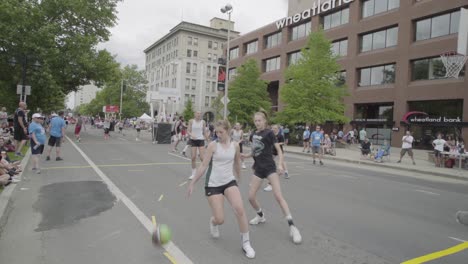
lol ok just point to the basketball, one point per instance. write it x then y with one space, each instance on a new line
161 235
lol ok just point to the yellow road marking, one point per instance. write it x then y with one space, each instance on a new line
438 254
118 165
153 218
161 197
171 259
182 184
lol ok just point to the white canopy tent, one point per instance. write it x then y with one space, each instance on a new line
145 118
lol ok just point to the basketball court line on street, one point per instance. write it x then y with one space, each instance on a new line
438 254
171 247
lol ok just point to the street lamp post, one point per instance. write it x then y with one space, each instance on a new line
24 63
227 9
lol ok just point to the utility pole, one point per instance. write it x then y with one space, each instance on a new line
121 96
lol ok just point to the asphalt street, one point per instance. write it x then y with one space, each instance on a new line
75 212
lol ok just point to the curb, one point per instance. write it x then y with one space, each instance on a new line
434 173
5 195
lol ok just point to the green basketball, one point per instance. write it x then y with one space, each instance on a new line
161 235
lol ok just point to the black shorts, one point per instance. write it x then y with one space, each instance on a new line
240 147
106 131
437 153
219 189
138 129
195 143
263 173
20 135
120 128
306 140
37 151
55 141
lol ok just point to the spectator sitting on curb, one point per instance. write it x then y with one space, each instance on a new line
365 148
11 164
383 151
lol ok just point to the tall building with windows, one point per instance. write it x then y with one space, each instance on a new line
389 53
183 66
84 95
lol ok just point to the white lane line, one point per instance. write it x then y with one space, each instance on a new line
144 220
136 170
457 239
175 155
348 177
124 139
426 192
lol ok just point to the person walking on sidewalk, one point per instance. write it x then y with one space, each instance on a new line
407 146
57 135
21 128
263 141
317 138
38 139
306 138
79 124
223 159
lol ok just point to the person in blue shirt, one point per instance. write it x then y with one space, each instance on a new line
315 143
306 138
38 139
57 134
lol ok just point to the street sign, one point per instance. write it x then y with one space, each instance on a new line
19 89
222 100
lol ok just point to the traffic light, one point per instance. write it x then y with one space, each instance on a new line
221 78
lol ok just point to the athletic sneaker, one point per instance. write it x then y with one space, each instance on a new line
257 220
15 180
286 175
214 230
295 234
248 250
268 188
462 217
58 159
243 165
47 158
191 177
38 171
321 163
183 154
18 154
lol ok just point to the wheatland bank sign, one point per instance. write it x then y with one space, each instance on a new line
318 7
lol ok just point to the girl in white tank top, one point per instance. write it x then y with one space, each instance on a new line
221 163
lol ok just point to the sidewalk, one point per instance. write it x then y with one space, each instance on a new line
352 154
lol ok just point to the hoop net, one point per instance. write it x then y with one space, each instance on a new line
453 63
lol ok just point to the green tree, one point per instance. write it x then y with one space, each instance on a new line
313 92
247 93
133 96
62 35
188 111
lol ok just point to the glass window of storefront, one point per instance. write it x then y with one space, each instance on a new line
377 119
425 132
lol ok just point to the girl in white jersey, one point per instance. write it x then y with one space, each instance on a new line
222 159
237 135
196 132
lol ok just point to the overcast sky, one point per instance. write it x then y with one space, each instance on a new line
142 22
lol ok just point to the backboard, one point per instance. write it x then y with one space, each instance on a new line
463 32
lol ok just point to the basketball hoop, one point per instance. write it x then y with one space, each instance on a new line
453 63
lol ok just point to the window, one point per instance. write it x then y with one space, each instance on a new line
208 71
341 78
195 53
208 86
377 75
212 100
437 26
215 72
380 39
195 41
166 83
272 64
215 58
374 7
429 69
193 98
187 98
215 45
294 57
340 47
189 53
174 68
188 67
273 40
207 101
209 56
336 19
213 87
187 84
194 84
252 47
189 40
232 73
234 53
194 68
174 83
210 44
301 31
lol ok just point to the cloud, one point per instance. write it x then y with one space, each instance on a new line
142 22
